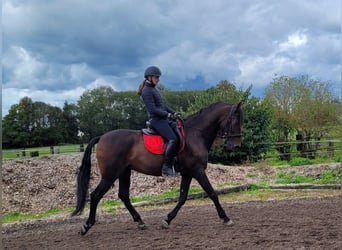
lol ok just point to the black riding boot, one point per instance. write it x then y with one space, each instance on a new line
167 169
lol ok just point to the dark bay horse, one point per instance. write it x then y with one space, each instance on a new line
120 151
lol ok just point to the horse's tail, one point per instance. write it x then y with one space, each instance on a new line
84 177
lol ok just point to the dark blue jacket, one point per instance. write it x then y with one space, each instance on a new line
154 104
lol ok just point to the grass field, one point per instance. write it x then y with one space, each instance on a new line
42 151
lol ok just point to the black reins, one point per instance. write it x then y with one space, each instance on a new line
228 127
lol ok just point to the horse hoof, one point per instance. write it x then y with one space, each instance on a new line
84 229
228 223
165 225
142 226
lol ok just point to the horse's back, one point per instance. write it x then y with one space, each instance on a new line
125 148
120 133
116 143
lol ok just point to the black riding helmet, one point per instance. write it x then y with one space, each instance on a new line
152 71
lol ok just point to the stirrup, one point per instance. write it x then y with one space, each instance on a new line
168 171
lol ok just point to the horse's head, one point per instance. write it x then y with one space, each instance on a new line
233 128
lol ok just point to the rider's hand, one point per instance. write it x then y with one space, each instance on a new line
178 115
171 116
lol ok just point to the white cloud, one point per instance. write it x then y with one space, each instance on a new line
25 67
81 73
294 40
12 96
263 69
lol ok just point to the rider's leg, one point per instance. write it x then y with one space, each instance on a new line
164 129
167 169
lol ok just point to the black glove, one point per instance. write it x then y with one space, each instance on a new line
178 115
172 117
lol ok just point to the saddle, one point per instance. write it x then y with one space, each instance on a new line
155 143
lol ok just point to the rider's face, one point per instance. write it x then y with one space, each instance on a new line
155 80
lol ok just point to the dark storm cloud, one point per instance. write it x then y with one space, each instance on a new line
54 50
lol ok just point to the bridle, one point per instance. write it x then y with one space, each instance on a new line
227 135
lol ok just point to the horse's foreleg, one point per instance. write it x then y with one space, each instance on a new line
95 197
184 189
124 185
207 187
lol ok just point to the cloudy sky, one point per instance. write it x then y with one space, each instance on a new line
54 50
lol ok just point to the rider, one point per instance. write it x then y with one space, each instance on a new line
159 114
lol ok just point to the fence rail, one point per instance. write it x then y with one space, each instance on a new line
43 151
282 150
306 149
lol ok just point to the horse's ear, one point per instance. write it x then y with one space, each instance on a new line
238 106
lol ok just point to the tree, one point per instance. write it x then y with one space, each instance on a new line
97 112
316 111
102 109
31 124
132 114
257 132
301 106
17 125
45 122
180 100
315 114
281 98
224 91
69 123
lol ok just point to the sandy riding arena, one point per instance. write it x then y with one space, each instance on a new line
34 185
288 224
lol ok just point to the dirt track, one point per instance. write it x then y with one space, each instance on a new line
288 224
34 185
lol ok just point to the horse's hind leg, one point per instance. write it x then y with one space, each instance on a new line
95 197
124 185
203 180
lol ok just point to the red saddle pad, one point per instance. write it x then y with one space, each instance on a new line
155 144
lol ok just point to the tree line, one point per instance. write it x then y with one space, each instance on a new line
291 108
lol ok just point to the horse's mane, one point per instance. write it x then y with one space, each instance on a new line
203 110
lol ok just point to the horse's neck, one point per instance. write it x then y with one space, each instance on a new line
208 128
